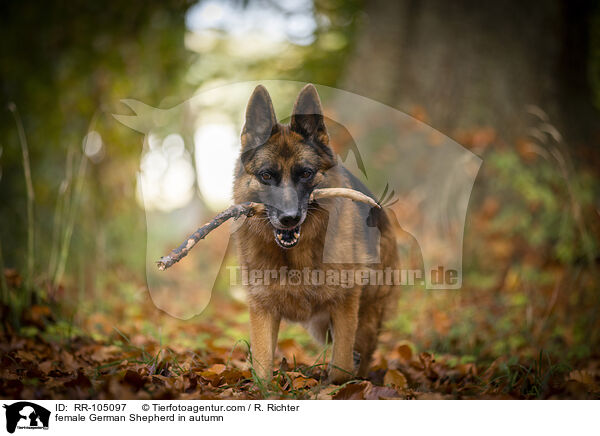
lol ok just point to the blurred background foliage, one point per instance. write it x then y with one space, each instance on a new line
517 84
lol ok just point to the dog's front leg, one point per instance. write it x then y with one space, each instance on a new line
344 318
264 327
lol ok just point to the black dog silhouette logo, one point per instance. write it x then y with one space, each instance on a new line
26 415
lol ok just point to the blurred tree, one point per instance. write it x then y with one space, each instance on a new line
61 63
471 65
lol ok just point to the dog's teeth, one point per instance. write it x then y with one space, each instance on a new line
279 236
296 235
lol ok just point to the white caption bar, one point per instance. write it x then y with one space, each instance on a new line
267 417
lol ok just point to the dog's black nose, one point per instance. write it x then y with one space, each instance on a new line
289 220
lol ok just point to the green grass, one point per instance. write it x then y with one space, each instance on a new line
529 381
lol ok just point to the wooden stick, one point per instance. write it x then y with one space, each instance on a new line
235 211
249 209
343 192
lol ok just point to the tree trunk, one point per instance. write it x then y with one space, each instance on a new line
468 64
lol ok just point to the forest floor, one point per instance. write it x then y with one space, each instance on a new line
44 361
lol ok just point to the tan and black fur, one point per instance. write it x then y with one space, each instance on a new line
353 317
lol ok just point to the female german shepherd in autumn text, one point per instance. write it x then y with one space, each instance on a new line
280 165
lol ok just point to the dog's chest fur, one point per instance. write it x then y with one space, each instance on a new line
296 302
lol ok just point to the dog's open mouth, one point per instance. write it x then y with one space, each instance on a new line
287 238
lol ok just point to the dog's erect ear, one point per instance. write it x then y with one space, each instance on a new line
307 116
260 118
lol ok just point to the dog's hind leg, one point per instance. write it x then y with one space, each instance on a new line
370 318
344 321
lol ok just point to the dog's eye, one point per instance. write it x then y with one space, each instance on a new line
265 176
306 174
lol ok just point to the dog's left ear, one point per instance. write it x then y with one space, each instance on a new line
307 116
260 119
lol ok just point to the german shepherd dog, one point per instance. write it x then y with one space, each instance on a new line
280 165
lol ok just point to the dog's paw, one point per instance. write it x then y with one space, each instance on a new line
338 376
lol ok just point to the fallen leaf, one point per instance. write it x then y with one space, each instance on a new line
46 366
81 381
393 377
68 361
304 382
583 377
134 379
352 391
232 376
217 368
402 352
380 393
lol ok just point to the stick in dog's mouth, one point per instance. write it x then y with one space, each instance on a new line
288 238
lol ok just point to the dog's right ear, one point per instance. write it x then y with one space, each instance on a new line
260 119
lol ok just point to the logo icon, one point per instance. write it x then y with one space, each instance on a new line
26 415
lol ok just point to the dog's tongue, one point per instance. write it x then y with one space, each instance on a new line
287 238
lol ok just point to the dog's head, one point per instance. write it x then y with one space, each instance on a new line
282 164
